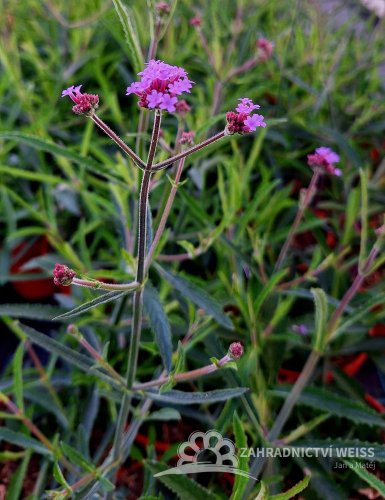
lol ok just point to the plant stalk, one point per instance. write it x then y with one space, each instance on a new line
302 207
138 295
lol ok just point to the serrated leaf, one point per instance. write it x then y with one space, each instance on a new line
50 147
197 295
23 441
77 359
30 311
369 478
188 398
76 457
241 443
326 401
159 324
130 35
184 487
103 299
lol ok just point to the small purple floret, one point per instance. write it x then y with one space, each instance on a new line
325 158
242 121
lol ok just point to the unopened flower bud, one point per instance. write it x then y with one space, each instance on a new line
182 108
265 49
187 138
162 8
63 275
85 104
196 21
236 350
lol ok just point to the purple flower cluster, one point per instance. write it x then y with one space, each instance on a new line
241 121
85 104
325 159
159 86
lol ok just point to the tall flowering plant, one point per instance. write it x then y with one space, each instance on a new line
159 90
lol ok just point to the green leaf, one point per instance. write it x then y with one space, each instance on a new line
17 366
180 364
16 484
197 295
103 299
29 311
369 478
159 324
164 414
188 398
77 458
130 35
77 359
184 487
23 441
241 442
59 476
364 218
326 401
321 318
50 147
263 492
295 490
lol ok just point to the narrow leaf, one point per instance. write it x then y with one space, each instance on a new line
159 324
295 490
18 376
335 404
184 487
103 299
198 296
321 317
23 441
369 478
241 443
188 398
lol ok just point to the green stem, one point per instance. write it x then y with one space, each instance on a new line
138 295
302 207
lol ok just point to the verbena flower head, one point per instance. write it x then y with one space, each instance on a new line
196 21
162 8
85 104
187 138
265 49
242 121
325 158
236 350
63 275
159 86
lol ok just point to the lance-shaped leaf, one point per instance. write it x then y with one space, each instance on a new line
103 299
189 398
159 324
197 295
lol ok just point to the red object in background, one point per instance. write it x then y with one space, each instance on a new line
374 403
378 330
33 289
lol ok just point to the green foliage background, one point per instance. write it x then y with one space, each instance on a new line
60 177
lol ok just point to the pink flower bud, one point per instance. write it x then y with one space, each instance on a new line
187 138
196 21
85 104
236 350
63 275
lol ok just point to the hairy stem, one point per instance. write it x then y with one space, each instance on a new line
106 286
302 207
138 296
165 214
187 152
118 141
182 377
